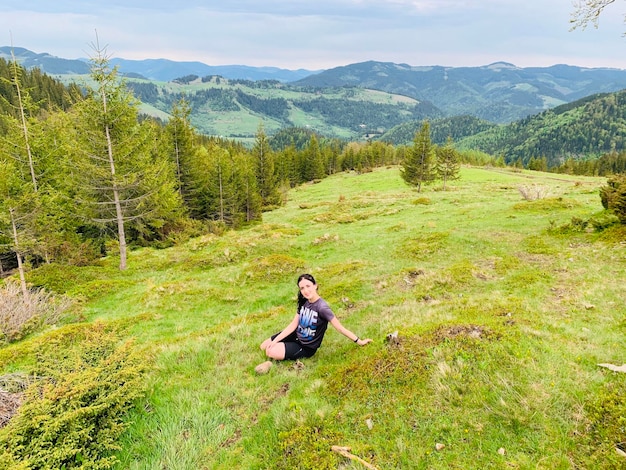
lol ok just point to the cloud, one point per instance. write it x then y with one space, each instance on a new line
323 34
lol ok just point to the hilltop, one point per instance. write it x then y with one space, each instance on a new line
504 308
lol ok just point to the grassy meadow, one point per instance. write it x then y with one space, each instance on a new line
504 308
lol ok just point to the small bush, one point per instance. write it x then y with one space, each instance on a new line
603 221
72 414
532 192
605 429
613 196
423 245
63 279
574 226
21 315
421 201
547 204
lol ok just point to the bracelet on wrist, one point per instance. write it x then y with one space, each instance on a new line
356 340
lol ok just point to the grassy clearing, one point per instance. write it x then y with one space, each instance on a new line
503 308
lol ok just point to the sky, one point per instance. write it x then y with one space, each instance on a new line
319 34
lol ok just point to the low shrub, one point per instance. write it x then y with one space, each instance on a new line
72 414
532 192
309 447
603 221
613 196
605 428
63 279
575 225
421 201
20 315
423 245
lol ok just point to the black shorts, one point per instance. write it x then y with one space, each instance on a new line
293 348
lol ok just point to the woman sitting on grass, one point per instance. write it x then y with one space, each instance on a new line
304 335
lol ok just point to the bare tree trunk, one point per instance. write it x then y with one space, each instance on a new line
20 265
178 173
16 82
116 199
222 218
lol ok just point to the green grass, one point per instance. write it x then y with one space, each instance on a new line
502 322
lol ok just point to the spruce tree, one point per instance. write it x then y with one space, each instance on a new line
448 165
418 166
121 174
180 137
265 169
311 161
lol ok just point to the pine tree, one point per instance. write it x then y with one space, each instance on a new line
418 166
121 174
24 105
250 202
287 166
265 169
448 165
213 193
311 164
180 141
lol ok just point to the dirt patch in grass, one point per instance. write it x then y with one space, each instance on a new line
324 239
409 278
9 403
469 331
268 398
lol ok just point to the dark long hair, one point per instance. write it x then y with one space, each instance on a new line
301 299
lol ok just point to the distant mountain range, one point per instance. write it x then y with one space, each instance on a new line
499 92
162 70
552 113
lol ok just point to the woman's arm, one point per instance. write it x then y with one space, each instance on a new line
286 332
347 333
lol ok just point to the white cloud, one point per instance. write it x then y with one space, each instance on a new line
327 33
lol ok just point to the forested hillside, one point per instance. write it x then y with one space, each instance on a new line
584 129
43 91
457 127
576 134
76 184
87 174
234 108
499 92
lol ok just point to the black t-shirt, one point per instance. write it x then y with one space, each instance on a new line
313 320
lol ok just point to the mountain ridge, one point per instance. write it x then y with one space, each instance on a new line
151 69
500 92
